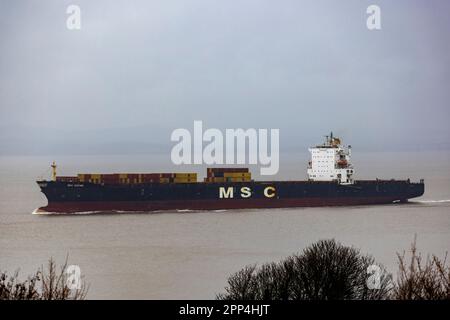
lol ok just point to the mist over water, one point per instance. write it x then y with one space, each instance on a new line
188 254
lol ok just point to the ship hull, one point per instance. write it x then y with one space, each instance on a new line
145 206
70 198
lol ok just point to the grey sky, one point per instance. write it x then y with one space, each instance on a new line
139 69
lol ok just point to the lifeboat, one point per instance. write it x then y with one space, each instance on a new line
342 163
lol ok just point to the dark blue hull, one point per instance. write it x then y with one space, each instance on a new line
73 197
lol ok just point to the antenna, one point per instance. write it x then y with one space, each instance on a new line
53 166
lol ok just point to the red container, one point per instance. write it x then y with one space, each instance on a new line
150 175
150 180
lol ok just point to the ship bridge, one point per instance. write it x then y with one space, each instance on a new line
330 161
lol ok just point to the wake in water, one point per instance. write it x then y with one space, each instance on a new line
40 212
432 201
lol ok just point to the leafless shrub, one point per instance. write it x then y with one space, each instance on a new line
12 289
422 280
46 284
324 271
241 285
327 270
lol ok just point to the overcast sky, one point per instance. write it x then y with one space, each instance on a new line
139 69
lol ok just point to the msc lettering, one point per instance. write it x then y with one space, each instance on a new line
245 192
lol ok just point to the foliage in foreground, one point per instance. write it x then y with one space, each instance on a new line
422 280
46 284
326 270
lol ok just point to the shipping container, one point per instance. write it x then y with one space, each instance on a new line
222 172
83 177
67 179
184 180
185 175
214 170
237 174
111 178
220 179
151 175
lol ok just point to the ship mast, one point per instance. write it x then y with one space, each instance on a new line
53 171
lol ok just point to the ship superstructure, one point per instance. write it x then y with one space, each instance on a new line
330 161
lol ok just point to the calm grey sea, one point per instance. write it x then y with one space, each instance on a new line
188 255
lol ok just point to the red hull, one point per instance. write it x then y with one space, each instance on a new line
145 206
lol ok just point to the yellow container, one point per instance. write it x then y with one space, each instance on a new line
237 175
186 175
124 180
184 180
237 179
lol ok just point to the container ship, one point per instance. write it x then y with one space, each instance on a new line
330 183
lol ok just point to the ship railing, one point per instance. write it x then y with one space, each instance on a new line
421 181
